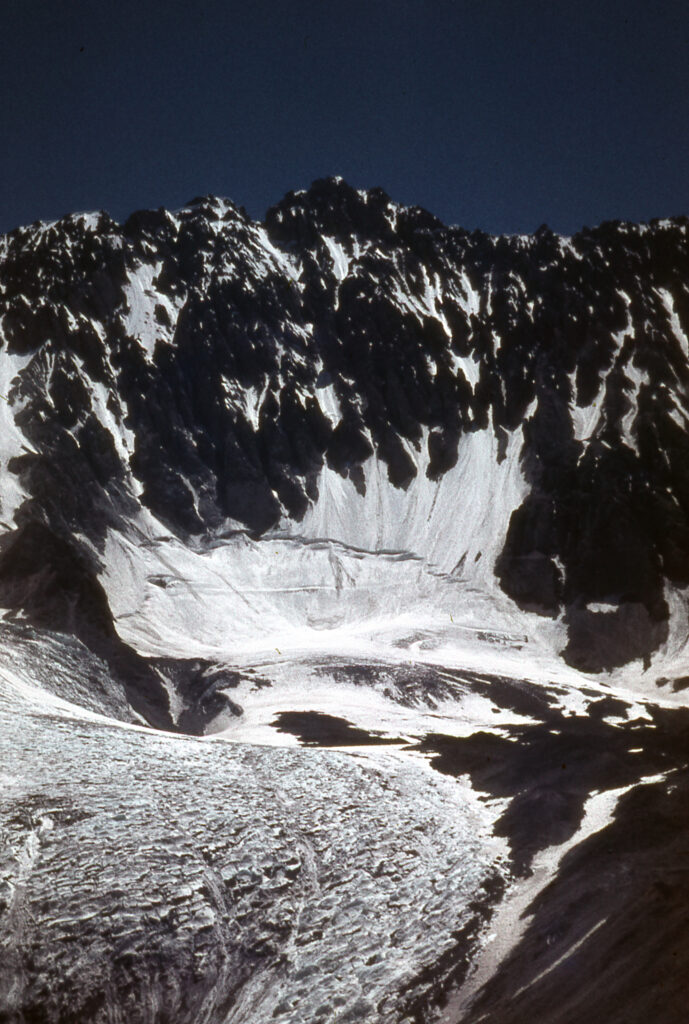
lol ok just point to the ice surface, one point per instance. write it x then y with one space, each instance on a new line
284 882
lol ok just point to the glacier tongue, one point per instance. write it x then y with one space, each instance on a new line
227 882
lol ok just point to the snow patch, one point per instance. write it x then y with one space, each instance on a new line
338 256
675 326
12 440
141 298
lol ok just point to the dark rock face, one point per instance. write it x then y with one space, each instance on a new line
162 327
41 575
549 769
617 950
54 588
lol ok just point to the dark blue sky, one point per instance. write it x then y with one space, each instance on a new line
498 114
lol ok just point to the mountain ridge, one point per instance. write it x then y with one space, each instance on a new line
360 330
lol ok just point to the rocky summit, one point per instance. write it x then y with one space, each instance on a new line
343 618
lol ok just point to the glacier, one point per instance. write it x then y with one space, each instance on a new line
343 651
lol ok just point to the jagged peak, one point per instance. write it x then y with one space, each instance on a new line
214 207
92 222
331 207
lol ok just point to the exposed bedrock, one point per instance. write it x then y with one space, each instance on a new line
607 938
